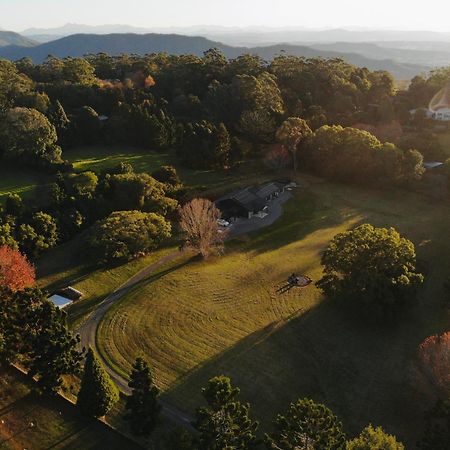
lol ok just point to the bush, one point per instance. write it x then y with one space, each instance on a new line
124 235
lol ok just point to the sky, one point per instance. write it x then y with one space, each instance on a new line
18 15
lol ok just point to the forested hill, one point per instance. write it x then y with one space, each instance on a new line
8 38
115 44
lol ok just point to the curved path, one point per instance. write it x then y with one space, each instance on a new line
88 333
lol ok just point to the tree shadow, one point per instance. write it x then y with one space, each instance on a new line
360 371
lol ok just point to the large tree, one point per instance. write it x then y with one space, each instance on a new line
374 439
198 220
27 135
374 268
291 134
124 235
307 425
98 393
142 405
16 273
225 423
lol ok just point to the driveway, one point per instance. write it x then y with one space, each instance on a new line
275 210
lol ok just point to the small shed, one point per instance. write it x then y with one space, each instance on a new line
70 293
59 301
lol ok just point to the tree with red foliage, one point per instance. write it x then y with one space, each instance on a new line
434 357
16 273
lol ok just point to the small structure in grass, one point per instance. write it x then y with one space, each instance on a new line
295 280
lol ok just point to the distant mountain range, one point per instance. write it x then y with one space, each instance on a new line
11 38
115 44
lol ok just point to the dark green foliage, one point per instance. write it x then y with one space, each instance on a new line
27 136
36 331
374 439
225 423
98 393
375 268
355 156
124 235
167 175
205 145
53 350
142 405
307 425
437 428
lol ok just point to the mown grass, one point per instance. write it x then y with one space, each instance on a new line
224 316
56 424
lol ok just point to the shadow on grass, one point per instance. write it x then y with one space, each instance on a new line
361 372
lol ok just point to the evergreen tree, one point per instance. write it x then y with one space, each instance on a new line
58 117
143 407
226 422
53 348
97 393
307 425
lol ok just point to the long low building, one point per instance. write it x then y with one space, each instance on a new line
248 201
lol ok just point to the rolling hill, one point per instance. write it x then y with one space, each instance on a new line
10 38
115 44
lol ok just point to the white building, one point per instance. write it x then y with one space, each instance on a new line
439 107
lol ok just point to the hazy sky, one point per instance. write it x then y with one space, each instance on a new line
395 14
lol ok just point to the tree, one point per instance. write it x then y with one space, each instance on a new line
258 125
124 235
292 133
437 428
53 348
16 273
26 134
12 83
167 175
198 220
374 439
371 267
225 423
307 425
434 364
98 393
277 157
39 235
143 407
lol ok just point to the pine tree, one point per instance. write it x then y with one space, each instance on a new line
226 422
53 348
142 405
98 393
307 425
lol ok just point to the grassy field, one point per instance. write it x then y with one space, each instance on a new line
56 423
223 316
23 182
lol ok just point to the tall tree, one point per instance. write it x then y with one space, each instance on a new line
53 350
307 425
225 423
16 273
292 133
198 220
98 393
142 405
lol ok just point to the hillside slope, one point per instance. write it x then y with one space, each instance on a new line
10 38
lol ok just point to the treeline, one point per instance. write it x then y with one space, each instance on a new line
225 109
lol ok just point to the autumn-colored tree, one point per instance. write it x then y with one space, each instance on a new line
16 273
277 157
198 220
434 358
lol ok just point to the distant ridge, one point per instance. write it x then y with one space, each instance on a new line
11 38
115 44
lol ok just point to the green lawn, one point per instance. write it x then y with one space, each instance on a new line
14 180
56 423
224 316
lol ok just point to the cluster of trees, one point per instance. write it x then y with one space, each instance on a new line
124 204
